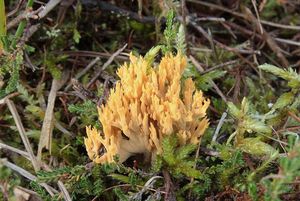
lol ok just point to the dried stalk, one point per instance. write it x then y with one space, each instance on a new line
48 123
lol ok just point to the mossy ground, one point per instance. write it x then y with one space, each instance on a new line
251 150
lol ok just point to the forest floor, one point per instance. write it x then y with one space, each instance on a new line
58 63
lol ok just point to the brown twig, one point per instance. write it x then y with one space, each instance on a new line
228 63
83 72
261 31
221 45
294 116
3 100
83 53
200 69
279 141
236 51
63 7
105 65
293 128
271 43
29 63
251 33
169 187
48 7
16 9
214 6
85 94
25 15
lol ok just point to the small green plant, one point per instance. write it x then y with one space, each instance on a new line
254 154
43 193
288 100
11 65
80 181
248 122
176 159
8 181
169 33
174 35
87 112
11 54
285 180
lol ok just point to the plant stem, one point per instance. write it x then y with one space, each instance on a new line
21 26
2 23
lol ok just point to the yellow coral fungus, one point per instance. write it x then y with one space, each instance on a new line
147 104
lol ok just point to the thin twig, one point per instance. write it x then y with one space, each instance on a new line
48 123
107 63
286 41
25 15
209 152
22 133
281 26
148 185
29 32
64 191
219 126
213 46
84 93
16 9
274 139
82 53
214 6
27 175
18 151
271 43
169 187
236 51
250 33
294 116
129 185
292 128
28 191
48 7
29 63
283 148
219 66
62 129
18 169
221 45
200 69
84 71
257 16
3 100
216 19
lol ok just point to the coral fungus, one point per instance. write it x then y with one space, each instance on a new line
147 104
